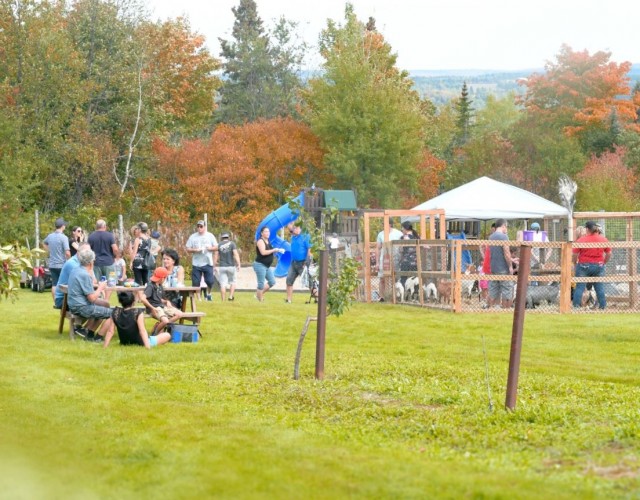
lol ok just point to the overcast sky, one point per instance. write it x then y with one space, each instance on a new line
446 34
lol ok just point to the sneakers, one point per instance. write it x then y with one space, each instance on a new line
287 301
209 299
80 331
230 299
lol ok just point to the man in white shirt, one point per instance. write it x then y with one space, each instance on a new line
201 246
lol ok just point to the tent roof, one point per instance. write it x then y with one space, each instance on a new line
486 199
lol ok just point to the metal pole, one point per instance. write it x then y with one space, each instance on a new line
323 275
121 229
37 245
518 323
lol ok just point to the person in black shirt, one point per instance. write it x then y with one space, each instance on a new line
130 324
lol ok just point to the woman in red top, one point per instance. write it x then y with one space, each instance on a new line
590 262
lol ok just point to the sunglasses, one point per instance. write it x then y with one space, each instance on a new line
78 230
200 225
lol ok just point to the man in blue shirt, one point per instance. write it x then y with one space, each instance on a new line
69 266
300 255
58 245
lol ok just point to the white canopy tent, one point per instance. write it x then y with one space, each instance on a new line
487 199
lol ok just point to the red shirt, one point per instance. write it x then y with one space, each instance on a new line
591 255
486 263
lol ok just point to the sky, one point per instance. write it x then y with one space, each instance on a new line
444 34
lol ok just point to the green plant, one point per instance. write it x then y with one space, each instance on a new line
15 259
343 279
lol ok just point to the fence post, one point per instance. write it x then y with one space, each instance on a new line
565 277
323 275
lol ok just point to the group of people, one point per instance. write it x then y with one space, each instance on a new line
265 253
588 262
96 263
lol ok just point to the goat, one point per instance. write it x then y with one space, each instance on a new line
589 298
430 290
411 288
399 291
536 295
468 285
444 291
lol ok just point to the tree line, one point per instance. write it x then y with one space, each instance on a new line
104 112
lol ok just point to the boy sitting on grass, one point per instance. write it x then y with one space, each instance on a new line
130 324
159 307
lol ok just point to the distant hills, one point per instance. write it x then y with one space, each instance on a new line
440 86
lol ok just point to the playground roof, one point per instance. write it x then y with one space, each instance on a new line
340 199
487 199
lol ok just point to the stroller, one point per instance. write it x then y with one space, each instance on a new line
310 280
41 279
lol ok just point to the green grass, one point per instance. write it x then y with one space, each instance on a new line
402 413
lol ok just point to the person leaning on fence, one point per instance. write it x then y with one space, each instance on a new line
157 305
84 297
590 262
129 321
501 292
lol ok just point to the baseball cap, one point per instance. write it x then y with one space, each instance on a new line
155 234
591 225
143 226
200 223
224 236
535 225
159 274
60 222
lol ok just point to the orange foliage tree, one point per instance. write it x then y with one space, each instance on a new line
430 174
581 91
606 183
238 176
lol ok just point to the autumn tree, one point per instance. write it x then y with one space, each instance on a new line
238 175
365 113
261 68
580 95
606 183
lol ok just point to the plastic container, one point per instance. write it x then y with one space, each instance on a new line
111 280
534 236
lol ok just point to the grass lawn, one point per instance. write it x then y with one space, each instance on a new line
403 411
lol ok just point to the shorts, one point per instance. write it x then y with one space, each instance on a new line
501 289
57 302
55 275
295 270
153 341
92 311
226 276
100 271
167 312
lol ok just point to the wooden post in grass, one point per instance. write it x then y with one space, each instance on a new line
518 324
323 274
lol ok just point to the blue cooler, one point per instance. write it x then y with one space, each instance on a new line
184 333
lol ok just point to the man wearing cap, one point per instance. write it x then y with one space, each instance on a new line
159 307
58 246
227 263
590 262
103 243
201 246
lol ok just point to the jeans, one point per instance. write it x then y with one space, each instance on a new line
589 270
198 272
263 272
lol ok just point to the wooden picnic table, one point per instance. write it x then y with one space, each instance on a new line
188 294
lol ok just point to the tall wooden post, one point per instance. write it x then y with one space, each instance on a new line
323 275
518 325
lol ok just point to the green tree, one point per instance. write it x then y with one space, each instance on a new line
464 117
261 68
365 113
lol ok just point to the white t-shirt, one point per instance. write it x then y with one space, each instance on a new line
201 241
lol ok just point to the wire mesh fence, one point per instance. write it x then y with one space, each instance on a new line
449 275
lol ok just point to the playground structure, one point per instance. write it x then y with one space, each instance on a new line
314 201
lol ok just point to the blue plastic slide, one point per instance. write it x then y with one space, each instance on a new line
275 221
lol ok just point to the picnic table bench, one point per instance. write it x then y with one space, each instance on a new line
186 292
